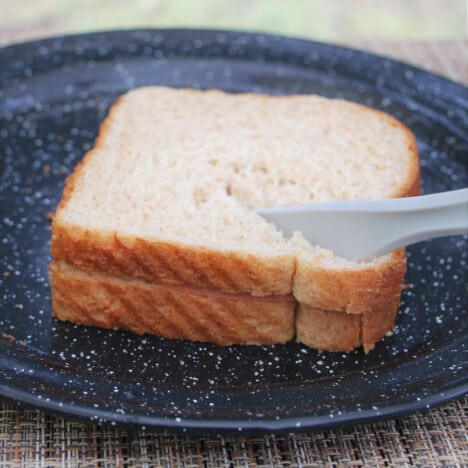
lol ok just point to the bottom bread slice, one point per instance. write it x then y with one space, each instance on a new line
95 299
331 330
172 312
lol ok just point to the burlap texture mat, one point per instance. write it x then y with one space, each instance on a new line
438 437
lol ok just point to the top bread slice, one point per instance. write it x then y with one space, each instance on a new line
166 196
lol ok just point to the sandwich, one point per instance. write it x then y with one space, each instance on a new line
157 232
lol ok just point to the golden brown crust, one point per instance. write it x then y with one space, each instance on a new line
327 330
98 143
355 291
378 323
103 301
165 263
338 331
411 186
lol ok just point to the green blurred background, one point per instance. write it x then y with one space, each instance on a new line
332 20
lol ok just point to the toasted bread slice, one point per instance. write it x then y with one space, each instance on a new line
171 311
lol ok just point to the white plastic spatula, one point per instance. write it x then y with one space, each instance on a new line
361 229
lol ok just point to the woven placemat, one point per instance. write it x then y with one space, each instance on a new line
438 437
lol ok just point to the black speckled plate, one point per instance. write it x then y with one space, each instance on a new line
54 93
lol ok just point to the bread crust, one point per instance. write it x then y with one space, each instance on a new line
166 263
107 302
411 185
354 291
328 330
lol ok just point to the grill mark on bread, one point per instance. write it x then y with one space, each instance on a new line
137 318
229 328
189 266
88 251
234 296
84 315
223 278
162 325
128 320
222 321
70 294
204 332
138 263
186 324
111 261
239 270
173 272
203 292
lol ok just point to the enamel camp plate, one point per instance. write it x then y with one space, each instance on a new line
53 95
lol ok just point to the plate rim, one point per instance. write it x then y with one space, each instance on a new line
237 425
233 32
